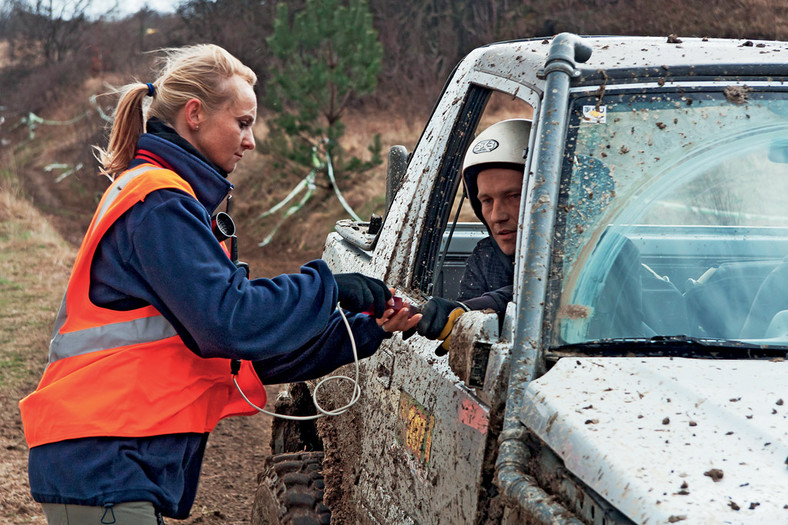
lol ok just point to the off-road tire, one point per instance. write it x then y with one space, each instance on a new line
290 491
289 435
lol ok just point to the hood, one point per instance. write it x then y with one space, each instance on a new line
667 440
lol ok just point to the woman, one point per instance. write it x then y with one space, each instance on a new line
157 320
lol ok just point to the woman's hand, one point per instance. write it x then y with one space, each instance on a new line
397 321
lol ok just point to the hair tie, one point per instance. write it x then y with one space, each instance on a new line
151 89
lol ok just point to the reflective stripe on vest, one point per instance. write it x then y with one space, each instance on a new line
127 373
142 330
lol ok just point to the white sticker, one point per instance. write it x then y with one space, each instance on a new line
595 115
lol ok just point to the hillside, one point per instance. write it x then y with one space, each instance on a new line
57 173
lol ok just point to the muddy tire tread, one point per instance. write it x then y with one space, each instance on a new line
291 487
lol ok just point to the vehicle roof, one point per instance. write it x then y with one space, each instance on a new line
626 59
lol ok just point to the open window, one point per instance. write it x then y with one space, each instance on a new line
455 230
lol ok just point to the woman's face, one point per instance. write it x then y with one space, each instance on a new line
225 134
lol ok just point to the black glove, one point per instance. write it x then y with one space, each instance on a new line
438 317
359 293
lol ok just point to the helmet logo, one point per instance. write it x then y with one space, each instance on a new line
485 146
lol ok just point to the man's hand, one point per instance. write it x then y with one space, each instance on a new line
359 293
438 317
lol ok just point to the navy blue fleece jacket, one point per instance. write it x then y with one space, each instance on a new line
162 252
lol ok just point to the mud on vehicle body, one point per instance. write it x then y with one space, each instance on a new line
639 374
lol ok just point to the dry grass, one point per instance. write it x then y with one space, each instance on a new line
34 267
4 60
34 263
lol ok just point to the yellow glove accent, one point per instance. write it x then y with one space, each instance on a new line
446 332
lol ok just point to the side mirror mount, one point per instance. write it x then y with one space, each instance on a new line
471 342
365 235
395 171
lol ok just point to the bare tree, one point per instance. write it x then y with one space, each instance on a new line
46 30
240 26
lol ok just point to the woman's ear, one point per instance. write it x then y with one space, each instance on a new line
193 111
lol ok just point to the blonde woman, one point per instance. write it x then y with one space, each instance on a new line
157 320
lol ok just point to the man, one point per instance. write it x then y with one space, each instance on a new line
492 173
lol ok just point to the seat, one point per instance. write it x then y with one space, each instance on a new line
618 308
663 304
770 299
719 302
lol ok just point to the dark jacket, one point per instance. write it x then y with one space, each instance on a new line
163 253
488 278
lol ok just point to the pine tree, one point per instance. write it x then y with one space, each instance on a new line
324 56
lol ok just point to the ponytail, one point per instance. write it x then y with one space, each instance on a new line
126 130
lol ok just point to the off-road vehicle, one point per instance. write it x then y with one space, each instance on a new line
639 375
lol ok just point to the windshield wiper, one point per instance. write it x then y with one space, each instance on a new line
668 346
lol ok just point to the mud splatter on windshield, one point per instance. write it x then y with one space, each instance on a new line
673 217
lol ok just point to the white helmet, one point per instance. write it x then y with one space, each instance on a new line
502 145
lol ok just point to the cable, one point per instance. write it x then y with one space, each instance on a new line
323 412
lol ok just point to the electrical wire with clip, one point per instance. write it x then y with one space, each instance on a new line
397 306
323 411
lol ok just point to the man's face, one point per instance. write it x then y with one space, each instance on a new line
499 194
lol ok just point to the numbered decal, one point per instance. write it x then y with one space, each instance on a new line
414 428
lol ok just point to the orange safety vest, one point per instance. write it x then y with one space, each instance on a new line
127 373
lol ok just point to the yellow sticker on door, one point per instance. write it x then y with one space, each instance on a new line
415 425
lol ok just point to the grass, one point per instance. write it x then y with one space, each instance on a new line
34 267
12 367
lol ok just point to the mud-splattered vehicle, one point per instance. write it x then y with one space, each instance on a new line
639 376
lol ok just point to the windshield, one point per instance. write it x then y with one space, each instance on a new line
674 218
